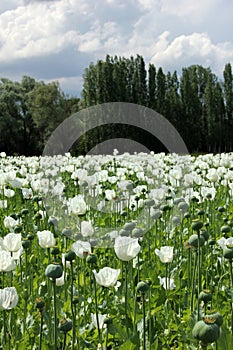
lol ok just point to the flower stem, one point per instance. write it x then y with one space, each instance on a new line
72 305
55 314
96 309
231 277
193 280
144 321
41 331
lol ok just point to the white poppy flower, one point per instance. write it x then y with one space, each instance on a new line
77 205
167 283
107 276
8 298
46 239
101 319
10 222
6 261
126 248
165 254
81 248
12 242
87 229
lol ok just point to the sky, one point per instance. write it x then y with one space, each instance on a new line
55 40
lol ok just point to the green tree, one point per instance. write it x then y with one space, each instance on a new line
228 98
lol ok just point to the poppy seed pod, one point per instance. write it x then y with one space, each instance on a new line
197 225
205 295
53 271
206 332
218 318
225 229
137 232
70 256
26 243
228 253
91 259
193 240
40 304
149 202
65 325
142 287
129 226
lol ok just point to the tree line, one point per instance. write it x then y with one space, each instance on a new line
196 102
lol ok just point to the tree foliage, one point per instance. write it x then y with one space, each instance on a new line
197 103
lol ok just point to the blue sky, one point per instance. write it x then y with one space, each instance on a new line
57 39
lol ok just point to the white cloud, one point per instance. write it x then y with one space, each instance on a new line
196 48
172 34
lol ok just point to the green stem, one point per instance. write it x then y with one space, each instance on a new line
134 316
41 330
126 297
144 321
149 318
199 277
72 305
231 277
96 309
64 341
4 327
193 281
55 314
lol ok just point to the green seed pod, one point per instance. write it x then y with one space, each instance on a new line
14 216
53 271
193 240
206 332
156 215
137 232
205 296
40 304
149 203
221 209
218 318
91 259
66 232
197 225
26 244
225 229
65 325
142 287
165 207
70 256
55 251
123 233
18 229
30 237
205 234
24 211
129 226
38 216
212 242
228 253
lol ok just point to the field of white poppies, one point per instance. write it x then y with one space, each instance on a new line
116 252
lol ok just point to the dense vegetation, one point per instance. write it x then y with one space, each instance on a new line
197 103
